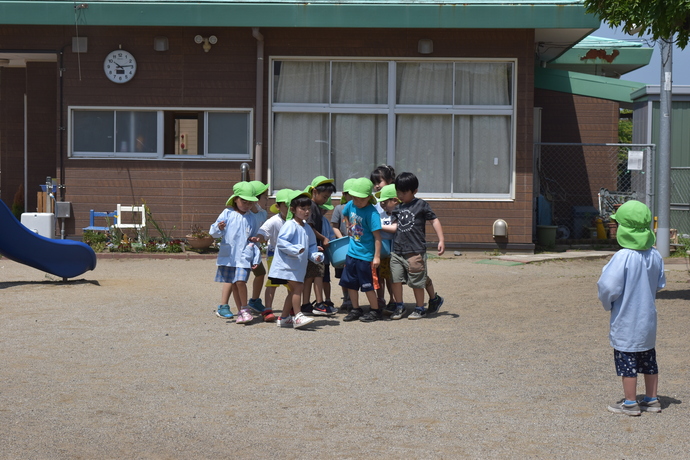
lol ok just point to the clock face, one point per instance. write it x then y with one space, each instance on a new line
120 66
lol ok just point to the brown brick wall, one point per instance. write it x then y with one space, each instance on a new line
184 76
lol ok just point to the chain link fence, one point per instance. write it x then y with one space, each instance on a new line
578 182
680 200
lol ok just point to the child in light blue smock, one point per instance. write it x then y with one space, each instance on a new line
239 250
627 288
295 247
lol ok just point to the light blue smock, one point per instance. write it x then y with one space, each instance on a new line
288 263
627 287
235 248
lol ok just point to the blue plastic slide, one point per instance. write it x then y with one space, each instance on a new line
64 258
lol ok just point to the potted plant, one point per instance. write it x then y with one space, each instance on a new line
199 238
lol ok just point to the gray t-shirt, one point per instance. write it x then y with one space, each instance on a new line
410 238
337 218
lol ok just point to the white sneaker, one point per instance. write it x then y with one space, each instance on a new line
301 320
285 322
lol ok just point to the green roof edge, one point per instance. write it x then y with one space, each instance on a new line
381 15
585 85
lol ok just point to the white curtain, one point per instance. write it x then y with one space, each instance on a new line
302 148
482 154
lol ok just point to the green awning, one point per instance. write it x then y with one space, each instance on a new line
485 14
585 85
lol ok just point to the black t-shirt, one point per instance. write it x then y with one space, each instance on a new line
316 219
410 238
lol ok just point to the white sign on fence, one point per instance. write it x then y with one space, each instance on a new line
635 160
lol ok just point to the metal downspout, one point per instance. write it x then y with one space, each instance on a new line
259 119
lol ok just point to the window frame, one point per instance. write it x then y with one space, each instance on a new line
160 132
392 110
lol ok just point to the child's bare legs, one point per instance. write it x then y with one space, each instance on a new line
397 292
651 382
318 289
269 295
295 296
257 285
306 292
419 297
225 293
429 289
373 300
239 293
327 291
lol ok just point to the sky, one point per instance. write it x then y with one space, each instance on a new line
651 74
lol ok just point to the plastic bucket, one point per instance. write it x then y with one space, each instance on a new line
337 250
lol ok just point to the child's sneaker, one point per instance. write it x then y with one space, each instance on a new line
389 309
373 315
223 311
307 309
628 409
399 311
346 307
418 313
268 315
435 304
244 316
301 320
354 314
330 308
319 309
285 322
650 406
256 305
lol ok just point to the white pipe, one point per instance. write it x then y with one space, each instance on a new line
26 157
259 119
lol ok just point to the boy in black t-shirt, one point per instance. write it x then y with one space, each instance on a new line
408 258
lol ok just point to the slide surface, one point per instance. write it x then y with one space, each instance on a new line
64 258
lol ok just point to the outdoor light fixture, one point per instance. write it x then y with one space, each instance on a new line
207 42
425 46
160 44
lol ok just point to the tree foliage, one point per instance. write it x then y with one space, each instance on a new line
661 19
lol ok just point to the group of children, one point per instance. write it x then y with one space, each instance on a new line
298 235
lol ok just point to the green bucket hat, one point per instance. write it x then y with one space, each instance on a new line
259 187
291 196
362 188
348 184
281 197
328 205
387 192
243 190
634 226
318 180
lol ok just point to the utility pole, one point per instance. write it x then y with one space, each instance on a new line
663 234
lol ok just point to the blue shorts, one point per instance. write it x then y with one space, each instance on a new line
629 363
232 275
359 275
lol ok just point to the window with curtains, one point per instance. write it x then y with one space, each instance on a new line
171 133
451 122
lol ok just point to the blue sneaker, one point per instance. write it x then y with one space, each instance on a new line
256 305
224 311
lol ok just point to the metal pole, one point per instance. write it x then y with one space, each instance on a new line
663 234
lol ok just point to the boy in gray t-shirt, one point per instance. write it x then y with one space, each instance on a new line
408 258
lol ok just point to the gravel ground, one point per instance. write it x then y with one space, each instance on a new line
129 361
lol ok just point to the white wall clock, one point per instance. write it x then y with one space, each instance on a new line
120 66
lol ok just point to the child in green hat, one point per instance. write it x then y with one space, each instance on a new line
627 288
296 245
239 252
321 189
364 251
268 233
261 194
